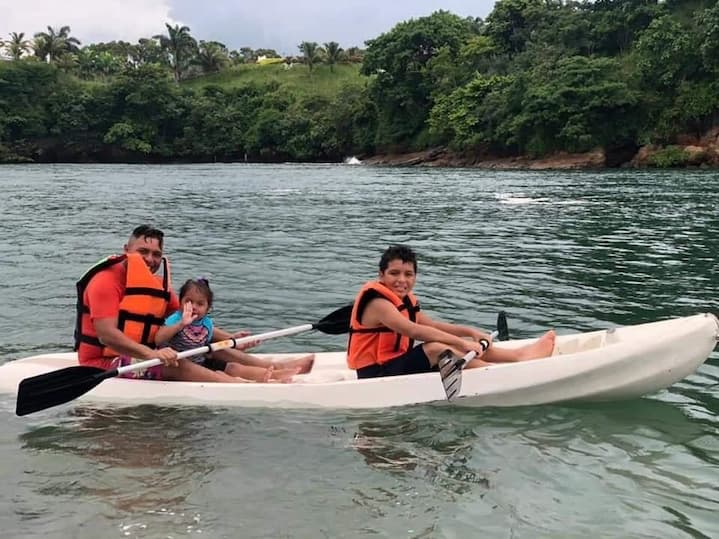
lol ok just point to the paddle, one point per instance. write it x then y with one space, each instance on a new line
450 367
58 387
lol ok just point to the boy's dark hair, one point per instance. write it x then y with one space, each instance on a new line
149 231
398 252
202 285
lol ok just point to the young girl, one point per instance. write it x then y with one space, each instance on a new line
192 327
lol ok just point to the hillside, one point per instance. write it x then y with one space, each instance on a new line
297 79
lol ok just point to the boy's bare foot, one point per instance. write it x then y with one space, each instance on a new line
303 363
542 347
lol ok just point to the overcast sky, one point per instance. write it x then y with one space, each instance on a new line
276 24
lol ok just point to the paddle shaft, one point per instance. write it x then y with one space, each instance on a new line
213 347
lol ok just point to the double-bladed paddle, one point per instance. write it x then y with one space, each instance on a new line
450 367
58 387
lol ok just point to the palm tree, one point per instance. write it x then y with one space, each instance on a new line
333 53
51 45
179 46
311 52
212 56
17 45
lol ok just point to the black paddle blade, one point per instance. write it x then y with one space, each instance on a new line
57 387
450 369
502 326
335 323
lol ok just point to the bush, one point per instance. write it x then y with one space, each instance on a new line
671 156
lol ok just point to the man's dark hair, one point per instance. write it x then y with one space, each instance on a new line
398 252
149 231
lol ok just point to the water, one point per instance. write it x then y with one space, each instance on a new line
285 245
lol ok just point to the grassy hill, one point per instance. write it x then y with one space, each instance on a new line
298 79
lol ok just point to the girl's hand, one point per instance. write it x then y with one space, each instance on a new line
187 316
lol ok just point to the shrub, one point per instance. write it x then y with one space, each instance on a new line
671 156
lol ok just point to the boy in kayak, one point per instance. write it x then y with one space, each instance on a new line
386 320
192 327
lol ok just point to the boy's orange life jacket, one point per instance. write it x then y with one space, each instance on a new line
377 345
142 308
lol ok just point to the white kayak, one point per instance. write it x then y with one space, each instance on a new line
613 364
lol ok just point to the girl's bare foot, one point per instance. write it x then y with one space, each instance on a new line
268 374
283 375
303 363
542 347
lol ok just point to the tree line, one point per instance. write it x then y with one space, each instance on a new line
533 78
177 50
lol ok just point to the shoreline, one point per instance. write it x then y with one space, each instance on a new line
688 152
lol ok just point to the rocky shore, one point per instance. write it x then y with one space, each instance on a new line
688 151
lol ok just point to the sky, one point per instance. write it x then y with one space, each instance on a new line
273 24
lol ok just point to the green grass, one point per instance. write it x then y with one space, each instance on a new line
322 81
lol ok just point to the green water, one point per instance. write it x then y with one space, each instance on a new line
285 245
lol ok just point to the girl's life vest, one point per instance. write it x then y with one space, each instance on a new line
370 346
142 308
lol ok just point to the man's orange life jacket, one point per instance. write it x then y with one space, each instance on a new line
142 308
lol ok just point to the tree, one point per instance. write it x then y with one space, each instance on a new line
708 22
355 55
311 53
615 24
147 51
52 45
510 23
398 62
576 104
212 56
92 61
468 118
179 46
333 53
665 53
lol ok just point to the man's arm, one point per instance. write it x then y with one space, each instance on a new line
107 332
103 297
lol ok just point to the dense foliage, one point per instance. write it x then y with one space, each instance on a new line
536 77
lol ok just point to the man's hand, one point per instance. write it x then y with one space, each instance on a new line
242 334
167 355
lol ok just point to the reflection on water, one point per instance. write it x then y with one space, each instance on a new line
409 446
143 461
287 244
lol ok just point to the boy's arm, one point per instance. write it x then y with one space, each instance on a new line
454 329
380 311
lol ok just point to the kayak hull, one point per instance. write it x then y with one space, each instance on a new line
606 365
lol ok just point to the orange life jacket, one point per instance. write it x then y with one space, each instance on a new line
377 345
142 308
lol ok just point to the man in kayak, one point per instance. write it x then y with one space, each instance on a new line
386 320
121 304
